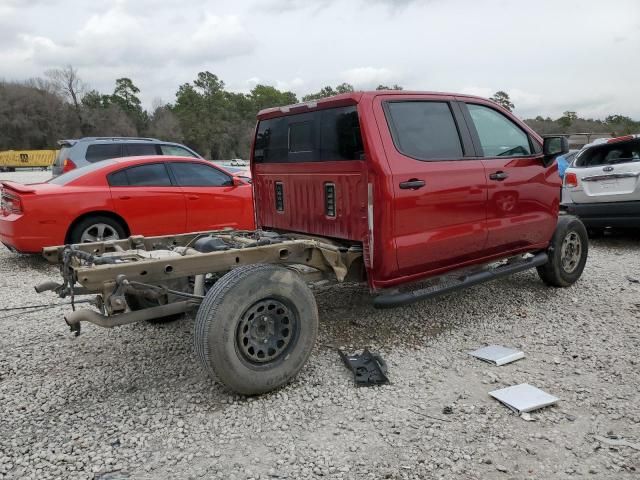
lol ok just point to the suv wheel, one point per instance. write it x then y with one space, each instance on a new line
567 253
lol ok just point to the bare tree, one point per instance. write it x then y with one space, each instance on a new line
66 83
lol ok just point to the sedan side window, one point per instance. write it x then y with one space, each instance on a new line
189 174
174 150
499 136
149 175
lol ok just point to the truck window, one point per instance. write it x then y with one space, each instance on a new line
424 130
320 136
499 136
103 151
301 137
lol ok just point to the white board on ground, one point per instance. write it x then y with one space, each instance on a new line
497 354
523 397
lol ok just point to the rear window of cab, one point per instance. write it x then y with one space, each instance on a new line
319 136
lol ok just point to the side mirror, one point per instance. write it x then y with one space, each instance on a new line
554 146
238 182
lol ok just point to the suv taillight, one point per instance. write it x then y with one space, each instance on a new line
10 203
570 180
68 165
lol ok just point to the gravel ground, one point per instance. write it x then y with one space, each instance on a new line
132 403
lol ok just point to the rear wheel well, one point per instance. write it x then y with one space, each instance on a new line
97 213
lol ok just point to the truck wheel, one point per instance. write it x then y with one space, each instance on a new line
256 328
96 229
567 253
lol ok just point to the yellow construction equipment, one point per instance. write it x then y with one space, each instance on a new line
10 160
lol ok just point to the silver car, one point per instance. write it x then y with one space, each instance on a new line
602 185
87 150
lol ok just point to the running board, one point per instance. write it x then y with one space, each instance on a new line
452 284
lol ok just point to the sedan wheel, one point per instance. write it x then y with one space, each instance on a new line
99 232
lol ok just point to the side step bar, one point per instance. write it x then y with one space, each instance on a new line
450 285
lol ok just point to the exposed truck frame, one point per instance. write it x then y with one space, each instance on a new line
359 218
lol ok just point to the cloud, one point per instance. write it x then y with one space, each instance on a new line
117 38
370 77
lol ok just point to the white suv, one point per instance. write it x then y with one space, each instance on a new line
602 185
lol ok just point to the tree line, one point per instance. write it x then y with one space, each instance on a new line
205 116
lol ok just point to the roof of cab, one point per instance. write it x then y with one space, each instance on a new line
344 99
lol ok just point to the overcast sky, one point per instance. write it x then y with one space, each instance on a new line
549 55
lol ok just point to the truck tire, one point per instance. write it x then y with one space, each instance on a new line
256 328
567 253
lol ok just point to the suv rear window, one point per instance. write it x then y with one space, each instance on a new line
103 151
320 136
424 130
609 154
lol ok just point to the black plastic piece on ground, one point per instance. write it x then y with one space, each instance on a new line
368 368
453 284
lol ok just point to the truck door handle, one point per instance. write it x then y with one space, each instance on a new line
124 197
193 197
412 184
499 176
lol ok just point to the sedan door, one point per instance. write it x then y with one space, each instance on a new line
212 200
147 199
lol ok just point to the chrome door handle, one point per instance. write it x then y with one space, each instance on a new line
499 176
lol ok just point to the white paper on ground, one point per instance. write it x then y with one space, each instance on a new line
523 397
497 354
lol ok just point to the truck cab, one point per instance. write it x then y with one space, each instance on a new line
424 182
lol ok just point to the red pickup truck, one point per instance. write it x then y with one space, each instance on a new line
388 188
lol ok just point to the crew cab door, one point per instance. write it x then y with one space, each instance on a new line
609 172
439 189
523 194
145 197
212 200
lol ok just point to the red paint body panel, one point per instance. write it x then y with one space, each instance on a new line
460 218
48 210
305 188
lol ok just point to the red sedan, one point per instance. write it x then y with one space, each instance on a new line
124 196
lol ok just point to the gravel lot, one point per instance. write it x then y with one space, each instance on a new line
132 403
